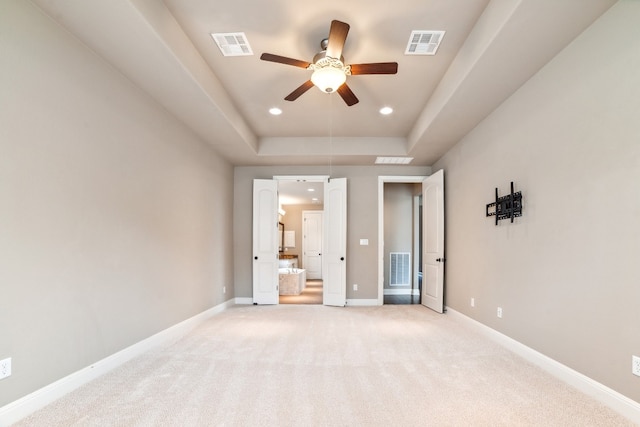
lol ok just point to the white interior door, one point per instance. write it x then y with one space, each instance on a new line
312 243
433 241
334 264
265 241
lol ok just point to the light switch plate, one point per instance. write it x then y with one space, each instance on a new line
364 242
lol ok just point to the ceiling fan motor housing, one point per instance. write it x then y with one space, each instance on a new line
322 55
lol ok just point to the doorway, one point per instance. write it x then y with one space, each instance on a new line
400 294
266 235
432 284
402 242
301 202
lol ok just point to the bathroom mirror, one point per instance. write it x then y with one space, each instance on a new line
281 233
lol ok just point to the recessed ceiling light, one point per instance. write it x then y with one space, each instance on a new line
311 189
386 111
393 160
275 111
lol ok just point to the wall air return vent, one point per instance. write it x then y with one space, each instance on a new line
424 42
400 269
232 44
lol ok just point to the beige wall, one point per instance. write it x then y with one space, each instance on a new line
362 220
566 273
115 220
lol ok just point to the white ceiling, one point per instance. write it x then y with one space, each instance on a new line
491 47
291 192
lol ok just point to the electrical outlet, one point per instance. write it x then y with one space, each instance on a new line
499 313
224 289
473 302
355 287
635 365
5 368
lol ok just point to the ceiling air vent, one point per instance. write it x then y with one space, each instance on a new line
424 42
232 44
393 160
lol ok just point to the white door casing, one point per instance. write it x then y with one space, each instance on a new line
334 274
312 243
433 241
265 241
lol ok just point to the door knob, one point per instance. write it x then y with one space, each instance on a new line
341 258
255 257
440 260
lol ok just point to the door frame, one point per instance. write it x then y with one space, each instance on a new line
408 179
417 244
301 178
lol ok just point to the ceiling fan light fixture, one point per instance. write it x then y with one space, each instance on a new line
328 79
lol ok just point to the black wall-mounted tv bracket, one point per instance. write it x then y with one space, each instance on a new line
509 206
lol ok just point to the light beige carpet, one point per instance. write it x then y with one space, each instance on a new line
309 365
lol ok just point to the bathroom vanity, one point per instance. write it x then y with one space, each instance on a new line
288 261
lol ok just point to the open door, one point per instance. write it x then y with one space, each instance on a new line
433 241
265 241
334 264
312 243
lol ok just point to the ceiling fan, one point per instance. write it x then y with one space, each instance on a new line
329 70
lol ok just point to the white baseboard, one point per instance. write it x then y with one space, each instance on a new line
362 302
21 408
621 404
406 291
350 302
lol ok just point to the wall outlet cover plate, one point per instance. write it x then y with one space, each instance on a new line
5 368
635 365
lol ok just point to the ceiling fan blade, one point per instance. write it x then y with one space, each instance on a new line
347 95
337 36
375 68
299 91
284 60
